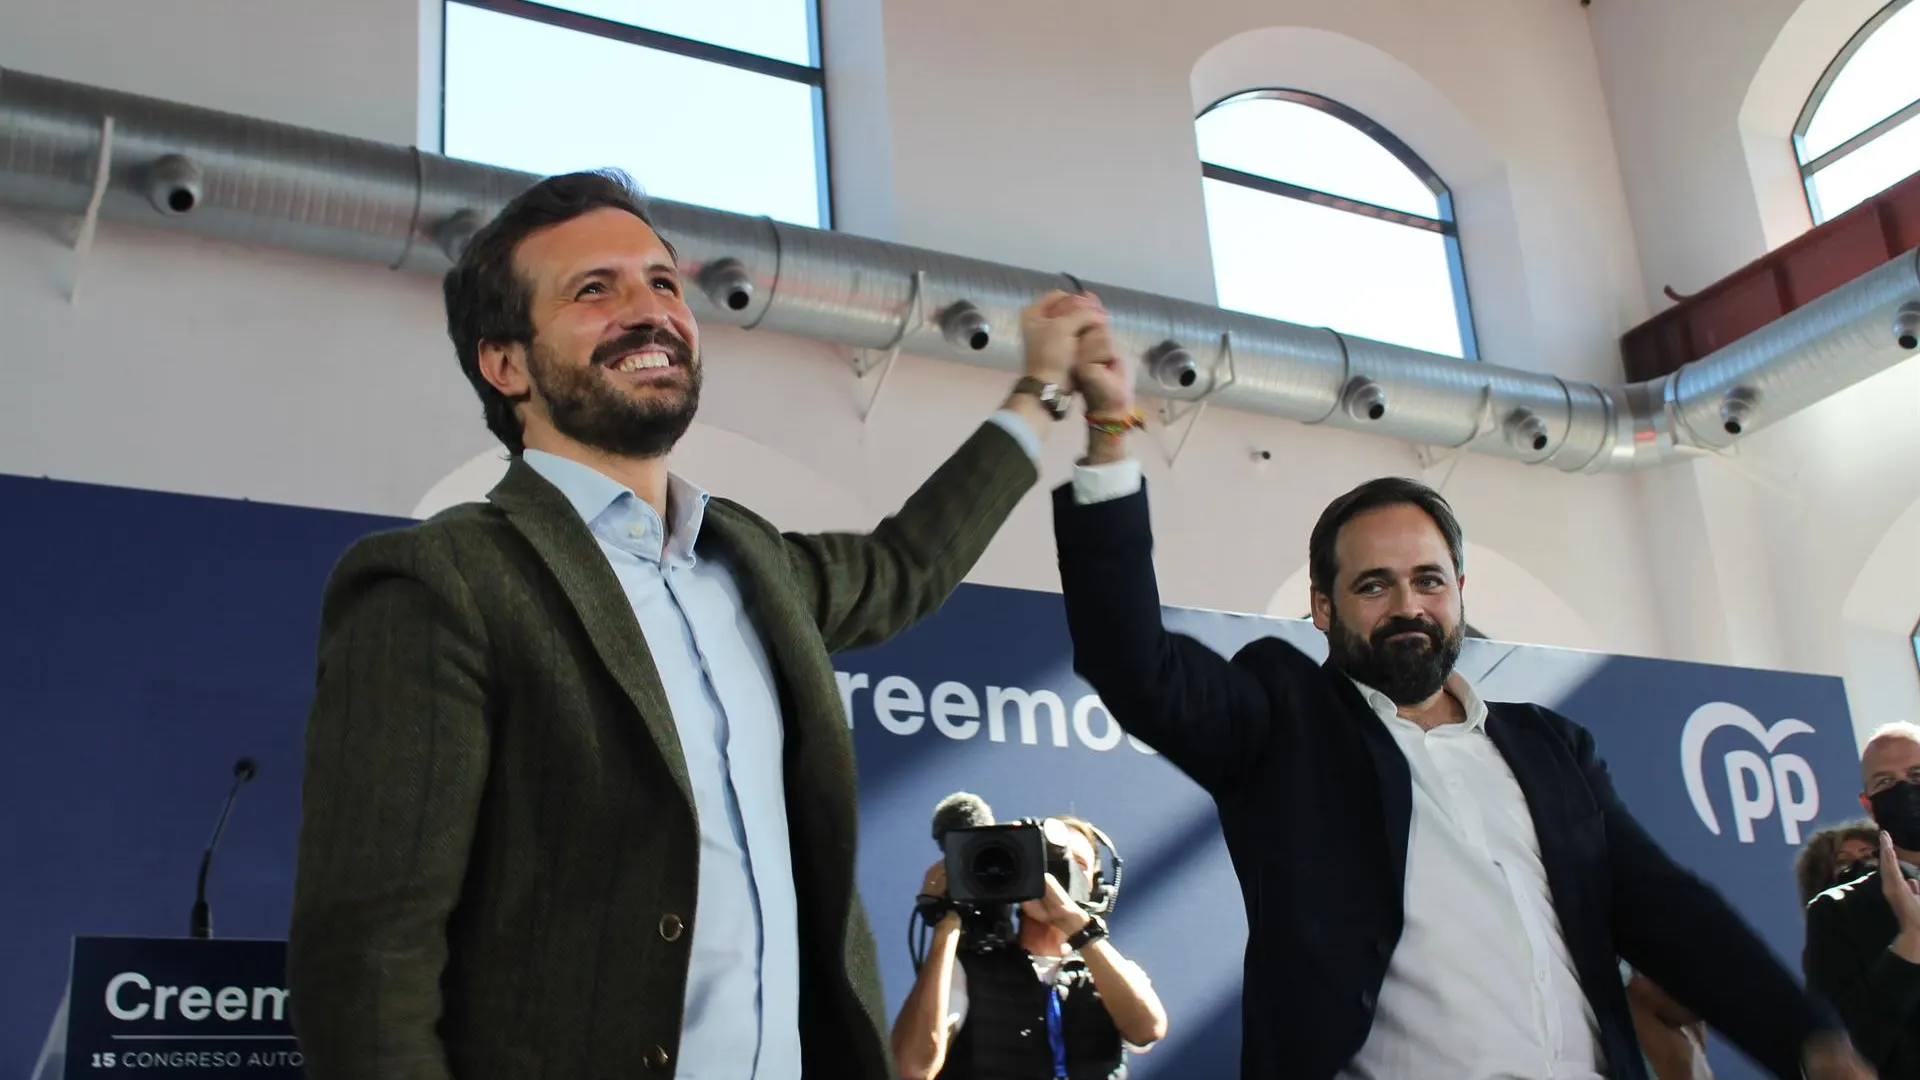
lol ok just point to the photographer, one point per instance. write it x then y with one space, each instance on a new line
1060 1001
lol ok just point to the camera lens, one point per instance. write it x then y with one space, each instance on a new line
995 866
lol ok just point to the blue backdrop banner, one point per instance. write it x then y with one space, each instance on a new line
1728 768
152 639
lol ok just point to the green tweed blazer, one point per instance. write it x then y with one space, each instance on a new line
498 851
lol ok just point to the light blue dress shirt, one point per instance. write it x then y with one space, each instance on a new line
742 1018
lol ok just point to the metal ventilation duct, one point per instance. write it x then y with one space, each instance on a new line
253 182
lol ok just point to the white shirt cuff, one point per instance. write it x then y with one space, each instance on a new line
1104 483
1021 431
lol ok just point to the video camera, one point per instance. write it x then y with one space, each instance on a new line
1007 864
993 868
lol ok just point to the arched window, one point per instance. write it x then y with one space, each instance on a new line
1859 133
1321 217
717 104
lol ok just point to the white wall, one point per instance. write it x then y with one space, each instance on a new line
1880 618
348 66
1089 162
1064 142
1703 96
1766 546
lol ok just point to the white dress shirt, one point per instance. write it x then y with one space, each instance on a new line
1481 986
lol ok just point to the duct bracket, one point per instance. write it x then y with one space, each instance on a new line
90 219
1752 469
1431 457
452 234
866 361
1172 411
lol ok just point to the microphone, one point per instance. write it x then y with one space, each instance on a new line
202 921
960 810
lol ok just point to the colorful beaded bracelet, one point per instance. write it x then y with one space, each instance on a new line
1107 425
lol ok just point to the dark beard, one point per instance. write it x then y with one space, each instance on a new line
586 409
1408 672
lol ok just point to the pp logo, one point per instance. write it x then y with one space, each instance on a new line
1756 786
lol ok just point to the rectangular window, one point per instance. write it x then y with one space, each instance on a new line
716 105
1313 265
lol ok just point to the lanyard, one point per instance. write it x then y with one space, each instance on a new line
1055 1036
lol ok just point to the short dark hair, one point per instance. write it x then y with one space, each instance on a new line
488 300
1323 565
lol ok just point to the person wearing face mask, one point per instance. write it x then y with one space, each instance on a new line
1835 855
1863 936
1487 878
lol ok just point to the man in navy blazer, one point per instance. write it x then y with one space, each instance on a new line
1435 886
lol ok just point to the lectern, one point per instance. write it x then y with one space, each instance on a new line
179 1007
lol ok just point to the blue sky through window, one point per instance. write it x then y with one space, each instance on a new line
1298 261
543 99
1293 261
1284 140
1880 79
782 29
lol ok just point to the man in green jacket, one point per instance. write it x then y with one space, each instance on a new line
580 793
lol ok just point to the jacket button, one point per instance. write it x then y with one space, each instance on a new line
655 1059
1367 1000
1383 946
671 927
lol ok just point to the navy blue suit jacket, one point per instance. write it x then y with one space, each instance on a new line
1315 800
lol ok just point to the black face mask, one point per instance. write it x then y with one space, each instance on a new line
1858 868
1896 809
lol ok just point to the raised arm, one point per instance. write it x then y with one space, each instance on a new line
923 1031
1127 993
866 588
396 758
1207 715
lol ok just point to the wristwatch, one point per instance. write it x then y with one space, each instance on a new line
1052 396
1095 929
